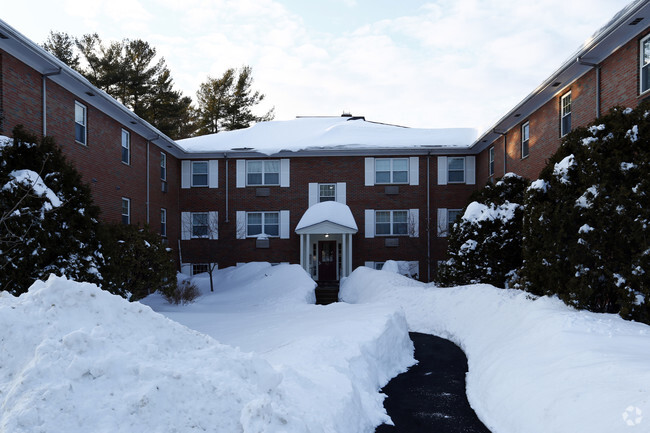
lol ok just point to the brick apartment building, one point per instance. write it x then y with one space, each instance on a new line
388 192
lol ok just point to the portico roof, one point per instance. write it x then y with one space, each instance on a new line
327 217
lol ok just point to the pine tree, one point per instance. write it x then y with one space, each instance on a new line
48 220
63 46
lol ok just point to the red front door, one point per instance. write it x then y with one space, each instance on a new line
327 260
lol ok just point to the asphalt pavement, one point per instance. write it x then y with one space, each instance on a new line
430 396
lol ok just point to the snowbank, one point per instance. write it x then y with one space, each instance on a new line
333 359
535 365
77 358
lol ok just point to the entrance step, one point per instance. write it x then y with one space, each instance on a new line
327 292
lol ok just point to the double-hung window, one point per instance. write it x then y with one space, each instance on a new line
453 215
391 170
644 65
258 223
126 147
163 166
263 172
456 170
199 173
163 222
199 224
391 222
525 138
565 114
126 210
327 192
200 268
491 161
80 123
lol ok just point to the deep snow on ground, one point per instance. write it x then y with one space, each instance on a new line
74 358
535 364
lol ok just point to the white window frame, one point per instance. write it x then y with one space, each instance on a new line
263 223
193 225
392 222
328 197
200 266
565 113
264 172
491 154
461 170
525 140
126 146
392 171
450 221
207 174
126 217
163 222
163 166
83 125
644 65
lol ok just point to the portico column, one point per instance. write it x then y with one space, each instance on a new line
307 253
344 259
350 254
302 252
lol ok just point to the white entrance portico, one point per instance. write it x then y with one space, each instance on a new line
326 231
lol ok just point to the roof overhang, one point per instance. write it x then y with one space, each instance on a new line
326 227
17 45
622 28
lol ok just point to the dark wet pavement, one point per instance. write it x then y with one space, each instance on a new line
430 396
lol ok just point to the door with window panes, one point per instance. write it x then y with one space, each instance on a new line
327 260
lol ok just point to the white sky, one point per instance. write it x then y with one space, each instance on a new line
429 64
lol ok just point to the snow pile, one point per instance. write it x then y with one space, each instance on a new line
77 358
478 212
333 359
331 133
535 365
331 211
561 169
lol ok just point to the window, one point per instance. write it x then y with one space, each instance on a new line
525 138
163 222
379 265
456 170
644 64
126 147
126 210
163 166
258 223
327 192
391 222
199 173
80 122
199 224
453 215
263 172
200 268
565 114
392 170
491 161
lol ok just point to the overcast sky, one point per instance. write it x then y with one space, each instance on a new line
430 64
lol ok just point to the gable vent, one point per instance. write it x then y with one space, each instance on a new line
557 83
636 21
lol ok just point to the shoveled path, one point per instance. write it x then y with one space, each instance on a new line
430 396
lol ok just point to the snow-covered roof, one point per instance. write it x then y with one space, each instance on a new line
328 211
327 133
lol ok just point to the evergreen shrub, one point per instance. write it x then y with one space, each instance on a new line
586 234
48 222
485 243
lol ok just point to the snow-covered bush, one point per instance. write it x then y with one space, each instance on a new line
485 244
586 234
48 223
137 262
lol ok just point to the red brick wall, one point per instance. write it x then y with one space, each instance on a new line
619 86
99 161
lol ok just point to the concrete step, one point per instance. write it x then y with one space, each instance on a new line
327 292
